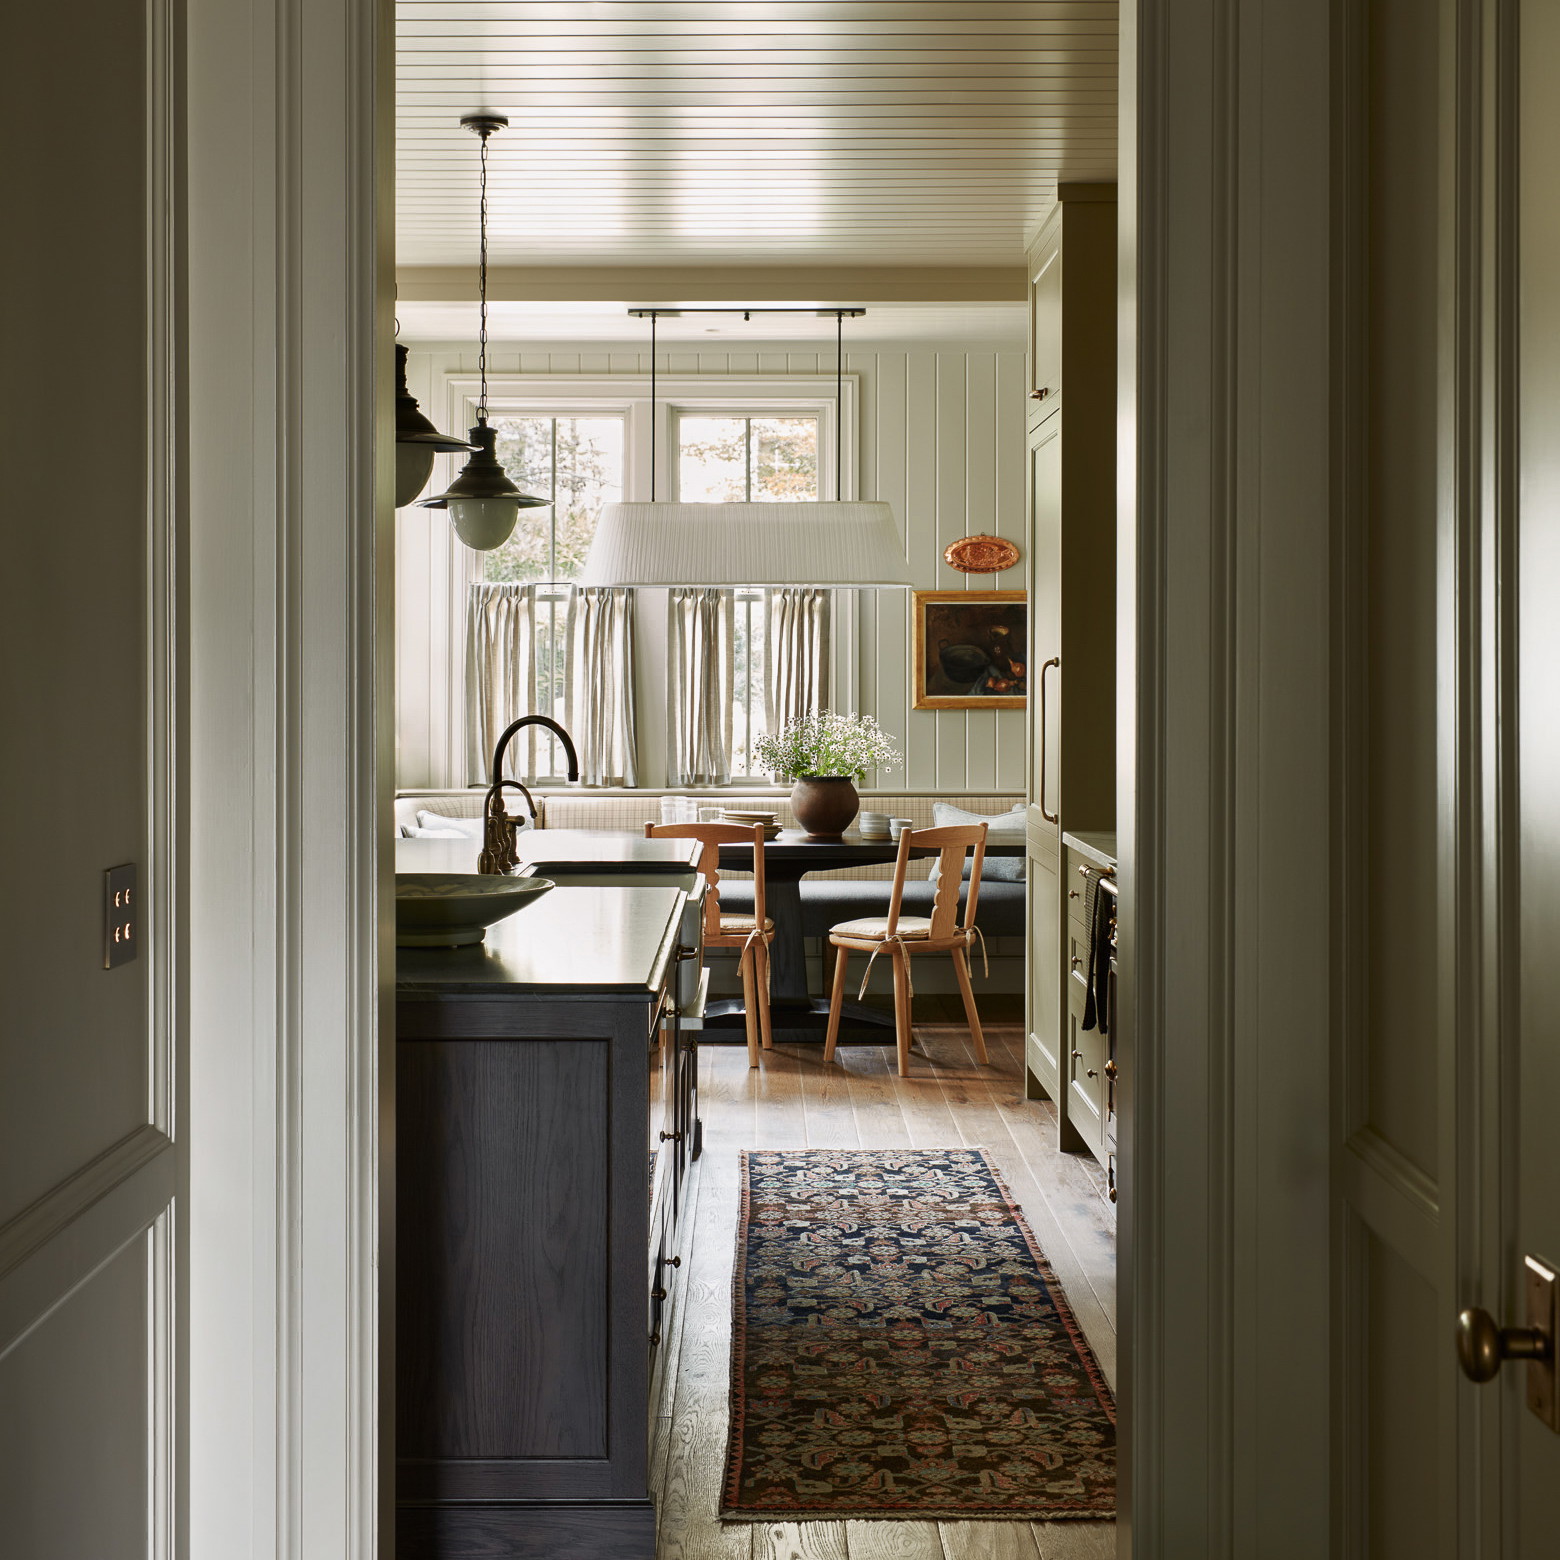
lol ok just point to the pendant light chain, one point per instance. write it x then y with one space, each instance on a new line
839 396
482 281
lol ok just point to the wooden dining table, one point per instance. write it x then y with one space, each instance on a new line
796 1015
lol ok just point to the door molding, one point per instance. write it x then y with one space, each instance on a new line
288 717
1225 830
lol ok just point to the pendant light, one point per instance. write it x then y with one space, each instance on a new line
417 441
483 503
775 543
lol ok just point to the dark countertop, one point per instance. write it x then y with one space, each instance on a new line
559 847
584 943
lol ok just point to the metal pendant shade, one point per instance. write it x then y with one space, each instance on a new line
849 544
417 441
483 503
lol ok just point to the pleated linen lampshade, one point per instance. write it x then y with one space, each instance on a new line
665 544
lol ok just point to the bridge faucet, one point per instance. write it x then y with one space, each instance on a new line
499 851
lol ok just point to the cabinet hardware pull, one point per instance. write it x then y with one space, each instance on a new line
1111 1071
1049 817
655 1338
658 1293
1040 394
671 1137
1076 961
1089 1072
1072 893
1077 1056
672 1261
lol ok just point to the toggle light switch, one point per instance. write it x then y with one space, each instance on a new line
121 916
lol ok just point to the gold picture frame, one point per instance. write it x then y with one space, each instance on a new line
970 649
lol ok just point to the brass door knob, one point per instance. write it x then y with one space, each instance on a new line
1483 1345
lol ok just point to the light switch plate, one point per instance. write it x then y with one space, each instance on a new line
121 916
1540 1285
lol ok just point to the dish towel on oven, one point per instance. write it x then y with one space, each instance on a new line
1099 909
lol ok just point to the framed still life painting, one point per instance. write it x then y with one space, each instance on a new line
970 649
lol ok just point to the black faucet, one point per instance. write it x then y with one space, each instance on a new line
499 852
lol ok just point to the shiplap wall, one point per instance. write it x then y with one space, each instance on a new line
941 440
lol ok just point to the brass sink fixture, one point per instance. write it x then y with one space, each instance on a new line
499 854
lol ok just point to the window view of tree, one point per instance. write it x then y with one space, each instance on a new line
577 462
726 460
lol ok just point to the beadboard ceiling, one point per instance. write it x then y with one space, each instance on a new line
781 132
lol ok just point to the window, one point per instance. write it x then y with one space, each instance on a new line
743 459
734 460
576 462
581 444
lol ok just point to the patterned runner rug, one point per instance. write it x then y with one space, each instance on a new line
902 1349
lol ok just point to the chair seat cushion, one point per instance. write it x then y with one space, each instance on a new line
731 924
876 927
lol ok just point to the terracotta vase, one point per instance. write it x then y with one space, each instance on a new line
824 805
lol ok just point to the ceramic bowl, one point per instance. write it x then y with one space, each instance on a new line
454 910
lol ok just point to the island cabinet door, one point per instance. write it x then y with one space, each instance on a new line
522 1368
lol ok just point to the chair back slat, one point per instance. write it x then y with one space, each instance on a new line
711 837
950 842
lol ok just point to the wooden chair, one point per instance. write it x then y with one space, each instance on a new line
752 934
900 936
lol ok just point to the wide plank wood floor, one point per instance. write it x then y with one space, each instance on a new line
795 1101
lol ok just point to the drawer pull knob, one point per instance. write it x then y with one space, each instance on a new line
671 1137
658 1293
1089 1072
655 1338
1076 961
1072 893
1077 1056
674 1262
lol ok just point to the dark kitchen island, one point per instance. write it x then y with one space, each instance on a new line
538 1219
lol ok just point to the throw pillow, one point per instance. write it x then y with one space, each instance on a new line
442 824
1001 829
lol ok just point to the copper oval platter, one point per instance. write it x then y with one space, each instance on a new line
981 554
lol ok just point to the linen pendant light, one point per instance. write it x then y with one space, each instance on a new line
768 543
417 441
483 503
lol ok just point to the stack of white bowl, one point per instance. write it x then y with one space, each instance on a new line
874 826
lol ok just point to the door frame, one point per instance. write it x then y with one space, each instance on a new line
287 390
1226 828
1227 550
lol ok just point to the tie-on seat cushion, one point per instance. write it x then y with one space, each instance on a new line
876 927
733 924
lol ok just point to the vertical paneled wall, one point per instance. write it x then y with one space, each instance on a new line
941 439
